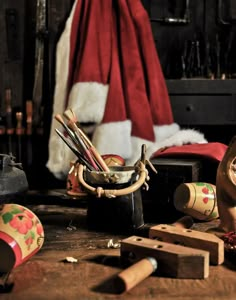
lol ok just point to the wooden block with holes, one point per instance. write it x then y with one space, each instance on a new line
190 238
173 260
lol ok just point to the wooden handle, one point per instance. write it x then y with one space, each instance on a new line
19 119
184 222
136 273
29 117
91 146
99 192
99 159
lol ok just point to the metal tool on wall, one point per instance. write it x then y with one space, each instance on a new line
9 124
229 7
41 33
28 132
12 34
19 133
2 134
175 21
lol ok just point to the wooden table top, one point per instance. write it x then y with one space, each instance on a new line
47 276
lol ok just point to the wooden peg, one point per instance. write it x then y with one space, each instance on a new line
136 273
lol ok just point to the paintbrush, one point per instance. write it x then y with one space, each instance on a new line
67 129
73 124
86 151
77 141
80 157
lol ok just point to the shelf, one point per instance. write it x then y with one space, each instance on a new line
201 86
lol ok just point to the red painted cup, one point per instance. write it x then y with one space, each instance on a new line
73 187
21 235
197 199
113 160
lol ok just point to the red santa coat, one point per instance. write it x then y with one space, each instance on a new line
108 72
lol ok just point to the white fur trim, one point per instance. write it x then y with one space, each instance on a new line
59 153
163 132
62 66
137 147
113 138
181 137
88 101
60 157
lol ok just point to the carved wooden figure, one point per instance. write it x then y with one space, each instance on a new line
226 189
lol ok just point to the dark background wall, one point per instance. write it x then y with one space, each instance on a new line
211 23
195 41
198 60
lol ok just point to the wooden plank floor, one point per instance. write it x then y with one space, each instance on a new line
46 276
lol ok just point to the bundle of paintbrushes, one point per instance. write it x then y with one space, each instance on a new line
79 143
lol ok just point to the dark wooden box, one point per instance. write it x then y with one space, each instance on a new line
158 204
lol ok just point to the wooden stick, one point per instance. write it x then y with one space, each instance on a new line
136 273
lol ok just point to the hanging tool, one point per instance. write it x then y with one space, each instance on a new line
175 21
227 54
9 124
2 134
41 33
29 120
13 34
230 7
19 133
198 69
218 52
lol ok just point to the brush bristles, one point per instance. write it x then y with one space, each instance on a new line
70 115
59 118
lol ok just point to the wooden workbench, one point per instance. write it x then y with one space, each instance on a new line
47 276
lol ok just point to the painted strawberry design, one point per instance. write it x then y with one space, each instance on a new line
29 214
21 223
29 241
39 229
205 190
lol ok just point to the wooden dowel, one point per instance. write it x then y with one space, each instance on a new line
136 273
